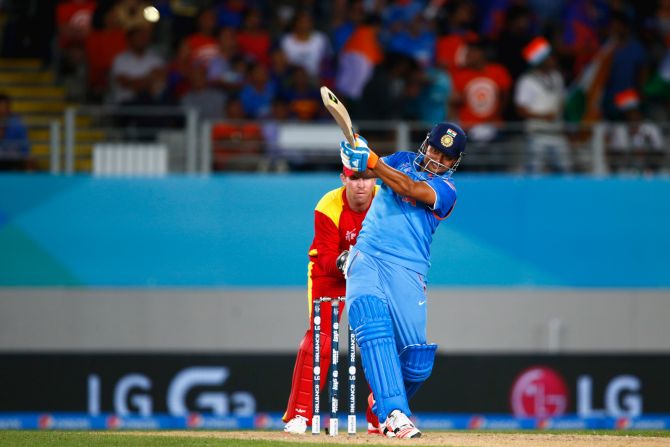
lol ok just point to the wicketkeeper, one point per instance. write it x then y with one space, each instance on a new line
386 270
337 221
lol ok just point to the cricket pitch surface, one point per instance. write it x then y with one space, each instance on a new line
435 438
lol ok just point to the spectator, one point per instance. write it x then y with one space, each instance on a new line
227 69
257 93
517 33
283 13
382 96
579 39
130 13
539 98
208 101
202 46
280 72
661 19
253 40
402 12
417 40
347 17
73 19
305 46
658 26
657 89
237 144
303 96
230 13
135 71
629 69
481 91
410 100
435 95
14 145
278 157
634 145
546 10
102 46
452 44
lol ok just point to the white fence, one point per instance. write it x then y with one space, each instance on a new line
130 159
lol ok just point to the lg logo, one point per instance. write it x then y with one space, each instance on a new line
539 392
622 397
131 394
542 392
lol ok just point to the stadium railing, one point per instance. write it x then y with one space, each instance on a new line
195 145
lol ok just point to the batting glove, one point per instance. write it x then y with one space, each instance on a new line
360 158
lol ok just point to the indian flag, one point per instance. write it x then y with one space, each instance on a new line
627 99
537 50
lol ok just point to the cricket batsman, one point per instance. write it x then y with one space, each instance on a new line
337 221
386 270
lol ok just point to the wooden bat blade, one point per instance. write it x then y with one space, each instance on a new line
339 113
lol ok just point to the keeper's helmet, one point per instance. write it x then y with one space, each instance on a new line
447 138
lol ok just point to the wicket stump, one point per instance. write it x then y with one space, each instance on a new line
333 427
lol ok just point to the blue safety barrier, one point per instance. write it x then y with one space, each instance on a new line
255 231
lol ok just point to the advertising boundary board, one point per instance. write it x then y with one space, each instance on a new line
242 386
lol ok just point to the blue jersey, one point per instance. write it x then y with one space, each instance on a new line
399 229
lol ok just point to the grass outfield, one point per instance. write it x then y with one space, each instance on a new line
116 439
265 439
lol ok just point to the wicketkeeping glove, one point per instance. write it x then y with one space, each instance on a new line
341 260
360 158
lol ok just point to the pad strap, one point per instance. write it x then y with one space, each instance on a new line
417 363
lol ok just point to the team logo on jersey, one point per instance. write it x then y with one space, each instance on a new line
350 235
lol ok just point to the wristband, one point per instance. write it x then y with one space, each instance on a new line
372 160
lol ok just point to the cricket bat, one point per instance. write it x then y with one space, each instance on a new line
340 114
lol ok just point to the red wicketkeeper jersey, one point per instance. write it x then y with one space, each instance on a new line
336 228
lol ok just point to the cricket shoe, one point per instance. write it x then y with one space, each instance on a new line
374 427
296 426
399 424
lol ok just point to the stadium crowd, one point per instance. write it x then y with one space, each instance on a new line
480 62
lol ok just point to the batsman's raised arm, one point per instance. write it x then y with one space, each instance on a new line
401 184
438 156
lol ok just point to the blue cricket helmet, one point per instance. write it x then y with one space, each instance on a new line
448 138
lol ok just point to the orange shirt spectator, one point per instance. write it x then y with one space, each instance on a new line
450 49
482 88
202 45
481 91
235 139
254 41
450 46
226 132
303 96
74 21
102 46
202 48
